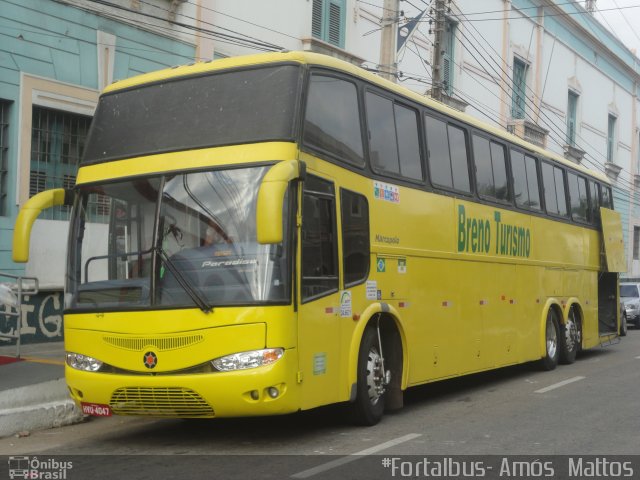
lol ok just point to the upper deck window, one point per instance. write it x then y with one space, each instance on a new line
491 169
394 143
448 155
225 108
554 190
594 196
606 199
578 197
525 180
332 119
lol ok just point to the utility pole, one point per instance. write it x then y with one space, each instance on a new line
436 64
390 14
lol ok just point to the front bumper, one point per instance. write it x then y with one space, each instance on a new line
206 395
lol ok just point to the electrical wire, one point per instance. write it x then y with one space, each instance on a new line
622 182
248 41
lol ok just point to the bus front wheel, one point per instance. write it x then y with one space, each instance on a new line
368 407
552 354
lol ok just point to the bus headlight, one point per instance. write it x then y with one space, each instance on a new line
83 362
251 359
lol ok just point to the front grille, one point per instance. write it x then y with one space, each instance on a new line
160 344
160 402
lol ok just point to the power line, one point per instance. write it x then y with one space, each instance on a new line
247 40
245 21
633 30
484 111
552 125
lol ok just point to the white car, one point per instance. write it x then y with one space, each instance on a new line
630 297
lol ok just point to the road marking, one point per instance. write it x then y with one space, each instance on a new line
43 360
559 384
638 358
354 456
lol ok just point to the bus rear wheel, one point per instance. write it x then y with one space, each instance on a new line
368 407
552 354
570 338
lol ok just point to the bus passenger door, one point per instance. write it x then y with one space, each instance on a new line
318 306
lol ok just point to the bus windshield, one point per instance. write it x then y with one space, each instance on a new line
230 107
174 241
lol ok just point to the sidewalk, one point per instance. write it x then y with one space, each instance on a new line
33 393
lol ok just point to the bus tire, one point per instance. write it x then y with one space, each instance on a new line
570 338
368 408
550 359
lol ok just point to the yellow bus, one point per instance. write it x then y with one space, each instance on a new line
271 233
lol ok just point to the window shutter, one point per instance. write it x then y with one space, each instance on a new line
447 58
519 89
446 74
327 21
335 24
316 18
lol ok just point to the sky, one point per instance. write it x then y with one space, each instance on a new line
624 23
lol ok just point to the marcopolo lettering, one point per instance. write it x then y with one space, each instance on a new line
476 235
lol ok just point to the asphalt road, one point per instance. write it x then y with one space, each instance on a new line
589 408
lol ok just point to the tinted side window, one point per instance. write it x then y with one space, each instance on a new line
525 180
448 155
332 121
394 143
499 162
459 158
355 237
561 191
408 142
594 195
319 256
578 197
554 190
438 152
549 186
383 150
606 198
484 170
491 172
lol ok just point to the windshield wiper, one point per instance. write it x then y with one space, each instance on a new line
194 294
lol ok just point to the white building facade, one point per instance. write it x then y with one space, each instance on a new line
545 70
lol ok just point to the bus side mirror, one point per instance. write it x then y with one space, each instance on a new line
270 200
28 214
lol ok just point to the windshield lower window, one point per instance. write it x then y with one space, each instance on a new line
197 247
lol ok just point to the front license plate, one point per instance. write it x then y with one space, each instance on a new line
96 409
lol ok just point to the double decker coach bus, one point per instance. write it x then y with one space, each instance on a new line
271 233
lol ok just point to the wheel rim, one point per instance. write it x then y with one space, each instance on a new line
571 335
552 338
375 385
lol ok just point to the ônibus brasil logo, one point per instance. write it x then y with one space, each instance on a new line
33 468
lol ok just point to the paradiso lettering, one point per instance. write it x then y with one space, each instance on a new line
479 235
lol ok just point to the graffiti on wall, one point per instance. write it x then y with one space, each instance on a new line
41 319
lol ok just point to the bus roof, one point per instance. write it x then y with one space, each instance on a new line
310 58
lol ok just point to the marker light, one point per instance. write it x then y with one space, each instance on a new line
83 362
251 359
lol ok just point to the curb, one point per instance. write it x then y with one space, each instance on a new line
37 407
